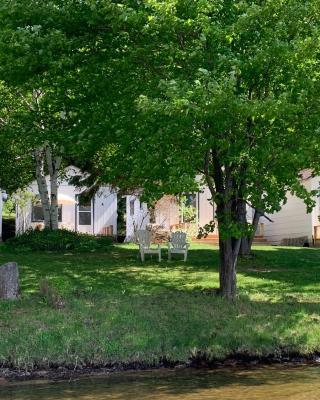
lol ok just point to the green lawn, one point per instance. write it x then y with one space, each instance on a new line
117 309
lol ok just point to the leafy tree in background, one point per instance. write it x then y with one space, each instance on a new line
15 166
31 58
50 57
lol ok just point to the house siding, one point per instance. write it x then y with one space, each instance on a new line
291 221
104 207
68 210
139 219
167 212
105 211
24 214
315 185
206 210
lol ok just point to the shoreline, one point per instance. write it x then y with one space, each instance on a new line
69 372
99 314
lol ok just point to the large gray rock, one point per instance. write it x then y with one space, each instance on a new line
9 281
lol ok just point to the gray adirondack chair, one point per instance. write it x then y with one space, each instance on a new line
144 241
178 245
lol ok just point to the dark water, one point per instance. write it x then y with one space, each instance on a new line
235 384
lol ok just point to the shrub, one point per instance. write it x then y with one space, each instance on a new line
59 240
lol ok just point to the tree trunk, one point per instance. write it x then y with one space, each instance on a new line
242 215
53 168
255 223
49 203
225 192
246 241
228 281
54 202
42 186
245 248
228 251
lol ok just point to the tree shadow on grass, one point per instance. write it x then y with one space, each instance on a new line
273 271
284 269
118 269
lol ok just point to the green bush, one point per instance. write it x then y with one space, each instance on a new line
59 240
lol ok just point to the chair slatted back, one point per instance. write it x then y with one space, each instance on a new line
143 237
178 239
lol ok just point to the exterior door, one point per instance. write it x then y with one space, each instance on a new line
84 215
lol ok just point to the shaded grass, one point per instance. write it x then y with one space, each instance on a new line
118 310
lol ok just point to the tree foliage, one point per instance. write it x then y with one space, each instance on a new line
228 89
150 94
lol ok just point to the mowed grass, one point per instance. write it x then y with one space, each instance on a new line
118 310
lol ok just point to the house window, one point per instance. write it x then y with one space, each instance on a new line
191 200
188 207
37 211
131 208
84 211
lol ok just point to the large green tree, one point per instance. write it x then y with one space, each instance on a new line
229 90
153 93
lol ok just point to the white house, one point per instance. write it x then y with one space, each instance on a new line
291 225
193 210
293 221
97 216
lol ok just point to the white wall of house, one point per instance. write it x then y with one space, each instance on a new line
315 185
166 212
103 218
291 221
105 211
205 208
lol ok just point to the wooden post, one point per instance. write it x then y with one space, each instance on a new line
9 281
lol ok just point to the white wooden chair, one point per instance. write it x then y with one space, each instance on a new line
178 244
144 241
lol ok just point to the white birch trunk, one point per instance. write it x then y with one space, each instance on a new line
54 201
53 168
42 186
44 154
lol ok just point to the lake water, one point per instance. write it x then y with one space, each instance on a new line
268 383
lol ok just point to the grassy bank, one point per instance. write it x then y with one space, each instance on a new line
113 309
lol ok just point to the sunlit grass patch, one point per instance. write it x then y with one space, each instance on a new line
116 309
